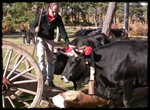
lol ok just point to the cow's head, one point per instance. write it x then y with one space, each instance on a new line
60 61
98 40
76 71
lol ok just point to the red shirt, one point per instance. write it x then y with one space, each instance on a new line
51 18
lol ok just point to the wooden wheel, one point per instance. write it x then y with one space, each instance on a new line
22 84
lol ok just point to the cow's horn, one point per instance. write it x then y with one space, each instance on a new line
74 53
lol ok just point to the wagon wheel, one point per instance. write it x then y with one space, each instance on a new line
22 84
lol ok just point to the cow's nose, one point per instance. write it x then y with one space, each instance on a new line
64 79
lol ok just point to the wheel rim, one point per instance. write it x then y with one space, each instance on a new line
22 84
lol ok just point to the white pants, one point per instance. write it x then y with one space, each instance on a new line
45 46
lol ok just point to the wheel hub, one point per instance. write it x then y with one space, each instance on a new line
5 85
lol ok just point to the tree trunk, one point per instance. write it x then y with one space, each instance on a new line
99 19
78 16
95 14
109 17
114 20
126 19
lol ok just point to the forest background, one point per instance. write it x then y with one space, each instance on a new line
77 14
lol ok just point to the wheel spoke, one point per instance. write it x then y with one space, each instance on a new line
27 104
6 55
3 101
7 64
21 100
12 104
15 67
14 57
25 81
27 91
21 73
27 63
16 61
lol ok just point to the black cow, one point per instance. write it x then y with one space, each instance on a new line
83 32
92 37
95 39
98 40
120 67
118 33
81 36
60 60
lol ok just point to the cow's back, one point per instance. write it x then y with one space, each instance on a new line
119 61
